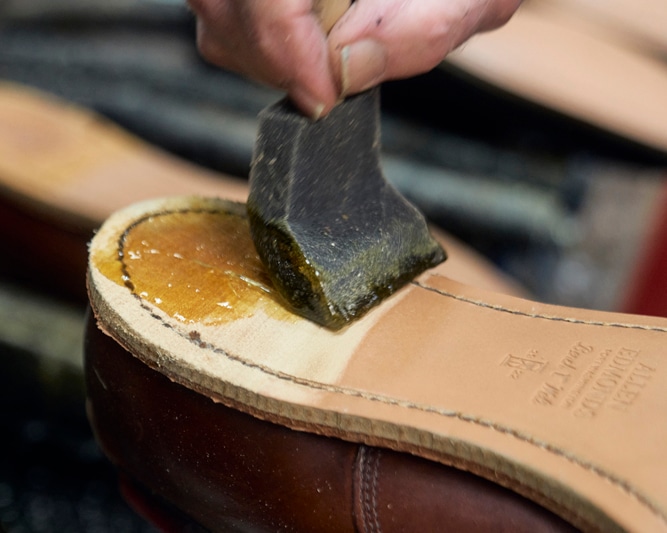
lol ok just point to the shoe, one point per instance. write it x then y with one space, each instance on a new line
185 460
402 421
64 170
601 63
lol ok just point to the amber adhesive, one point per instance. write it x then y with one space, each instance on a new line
196 266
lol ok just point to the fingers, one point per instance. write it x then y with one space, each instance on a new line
281 43
277 42
378 40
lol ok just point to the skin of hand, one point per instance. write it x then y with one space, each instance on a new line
281 43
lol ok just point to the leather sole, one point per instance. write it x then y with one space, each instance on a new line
182 455
64 170
599 62
564 406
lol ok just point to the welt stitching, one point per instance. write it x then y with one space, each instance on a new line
357 490
364 496
374 491
197 341
553 318
369 474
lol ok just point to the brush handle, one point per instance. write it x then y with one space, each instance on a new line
329 11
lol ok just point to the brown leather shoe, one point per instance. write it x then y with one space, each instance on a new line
562 406
64 170
230 471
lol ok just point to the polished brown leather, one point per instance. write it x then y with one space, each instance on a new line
564 406
46 253
230 471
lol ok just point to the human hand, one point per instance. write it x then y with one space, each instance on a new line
281 43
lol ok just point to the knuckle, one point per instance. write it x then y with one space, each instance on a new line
210 49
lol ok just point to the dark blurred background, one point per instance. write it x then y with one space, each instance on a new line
558 204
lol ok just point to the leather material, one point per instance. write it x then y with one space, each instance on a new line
595 61
565 406
53 197
48 254
232 472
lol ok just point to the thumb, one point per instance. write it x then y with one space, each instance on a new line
378 40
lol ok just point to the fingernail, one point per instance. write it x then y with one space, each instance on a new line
317 112
363 65
309 105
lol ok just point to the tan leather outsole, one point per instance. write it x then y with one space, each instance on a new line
68 163
600 62
64 170
229 471
564 406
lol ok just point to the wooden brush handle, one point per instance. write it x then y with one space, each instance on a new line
329 11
